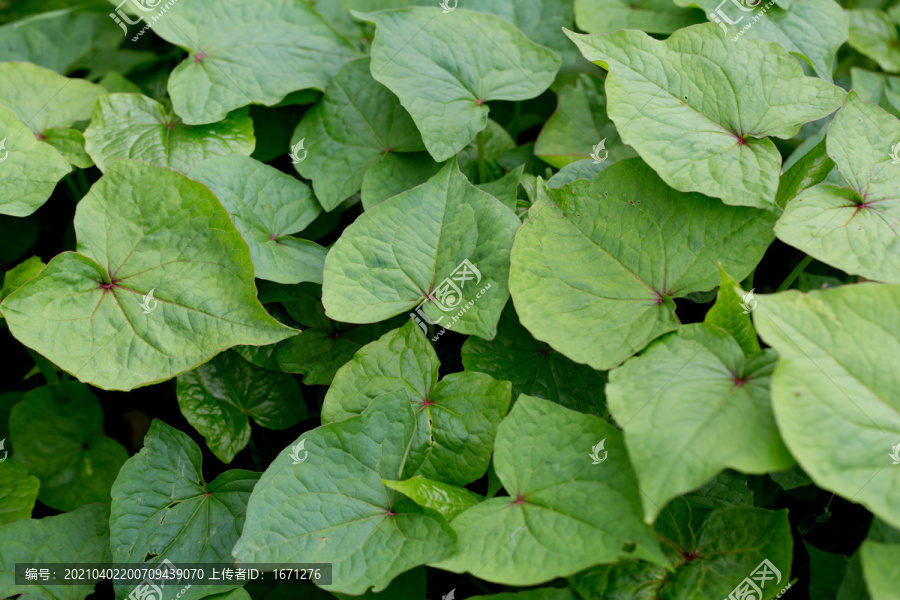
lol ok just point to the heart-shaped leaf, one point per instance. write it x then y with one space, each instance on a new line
143 229
874 34
563 513
774 21
714 402
135 126
57 433
267 206
854 228
247 52
457 417
163 509
80 536
219 397
496 62
534 368
412 248
877 88
833 371
355 126
30 169
331 505
540 20
652 16
597 264
18 491
710 138
445 498
578 125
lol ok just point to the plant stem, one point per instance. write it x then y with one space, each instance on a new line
482 171
794 274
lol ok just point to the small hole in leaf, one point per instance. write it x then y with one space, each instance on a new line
150 556
629 547
174 504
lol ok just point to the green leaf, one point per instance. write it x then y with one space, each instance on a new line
732 313
879 554
832 371
318 352
652 16
162 509
244 52
597 264
266 207
219 398
877 88
42 99
538 594
874 34
368 532
506 188
534 368
57 432
715 403
396 174
18 491
69 143
563 514
787 25
808 171
83 311
410 585
30 169
447 499
712 138
56 40
579 124
18 275
80 536
853 228
825 572
729 546
355 126
540 20
135 126
497 62
457 417
403 252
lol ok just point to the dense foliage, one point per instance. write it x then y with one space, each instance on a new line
511 299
